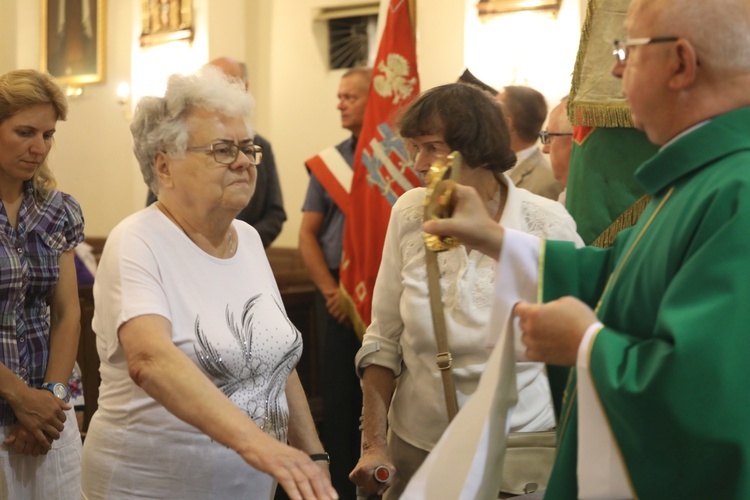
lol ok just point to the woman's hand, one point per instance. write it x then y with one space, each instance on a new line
301 478
21 440
363 474
41 413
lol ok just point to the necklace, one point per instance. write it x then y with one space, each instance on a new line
495 204
231 245
232 248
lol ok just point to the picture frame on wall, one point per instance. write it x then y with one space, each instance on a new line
166 21
73 40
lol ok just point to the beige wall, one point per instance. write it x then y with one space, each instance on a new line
286 52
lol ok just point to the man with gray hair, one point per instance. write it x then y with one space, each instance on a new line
321 238
557 142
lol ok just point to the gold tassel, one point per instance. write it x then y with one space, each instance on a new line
601 114
626 219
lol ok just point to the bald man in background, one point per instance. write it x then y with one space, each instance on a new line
265 212
557 142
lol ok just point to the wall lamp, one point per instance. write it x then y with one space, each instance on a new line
72 92
123 99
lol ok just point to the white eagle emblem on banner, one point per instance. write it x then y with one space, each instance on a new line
393 80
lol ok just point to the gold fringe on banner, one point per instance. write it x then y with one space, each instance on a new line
602 114
626 219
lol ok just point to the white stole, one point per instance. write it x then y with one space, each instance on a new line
601 471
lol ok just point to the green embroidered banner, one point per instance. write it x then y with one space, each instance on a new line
595 96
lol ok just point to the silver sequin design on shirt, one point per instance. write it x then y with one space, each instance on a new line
251 381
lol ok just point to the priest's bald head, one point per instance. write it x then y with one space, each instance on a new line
684 62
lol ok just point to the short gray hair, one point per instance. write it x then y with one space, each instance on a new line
364 72
564 126
160 123
719 30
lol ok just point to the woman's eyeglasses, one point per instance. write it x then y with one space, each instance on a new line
227 153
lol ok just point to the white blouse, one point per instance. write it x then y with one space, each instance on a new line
402 330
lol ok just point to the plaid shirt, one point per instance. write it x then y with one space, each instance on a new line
29 270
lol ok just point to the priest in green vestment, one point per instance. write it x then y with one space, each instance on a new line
656 326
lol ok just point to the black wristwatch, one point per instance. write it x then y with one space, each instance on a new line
319 457
58 389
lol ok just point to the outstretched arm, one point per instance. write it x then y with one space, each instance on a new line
167 375
302 433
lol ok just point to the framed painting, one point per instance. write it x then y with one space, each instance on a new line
73 37
165 21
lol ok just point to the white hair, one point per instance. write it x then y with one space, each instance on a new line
718 29
562 122
160 123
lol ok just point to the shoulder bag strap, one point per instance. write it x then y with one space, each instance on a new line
444 357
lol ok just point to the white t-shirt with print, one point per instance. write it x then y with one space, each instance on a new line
228 318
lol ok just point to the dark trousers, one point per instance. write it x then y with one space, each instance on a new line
342 398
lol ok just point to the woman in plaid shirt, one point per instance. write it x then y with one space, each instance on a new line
40 455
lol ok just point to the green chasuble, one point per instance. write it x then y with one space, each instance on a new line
672 365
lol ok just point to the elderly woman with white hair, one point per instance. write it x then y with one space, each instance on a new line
199 393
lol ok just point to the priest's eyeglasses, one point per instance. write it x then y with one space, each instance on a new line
546 137
227 153
622 47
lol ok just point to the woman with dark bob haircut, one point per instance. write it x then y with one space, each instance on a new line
400 341
469 120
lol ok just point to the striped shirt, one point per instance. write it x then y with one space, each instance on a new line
29 270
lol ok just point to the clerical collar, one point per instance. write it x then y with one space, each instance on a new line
685 132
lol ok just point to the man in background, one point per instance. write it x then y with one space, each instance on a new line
557 142
320 243
526 111
265 212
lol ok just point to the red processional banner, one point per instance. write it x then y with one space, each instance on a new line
382 168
